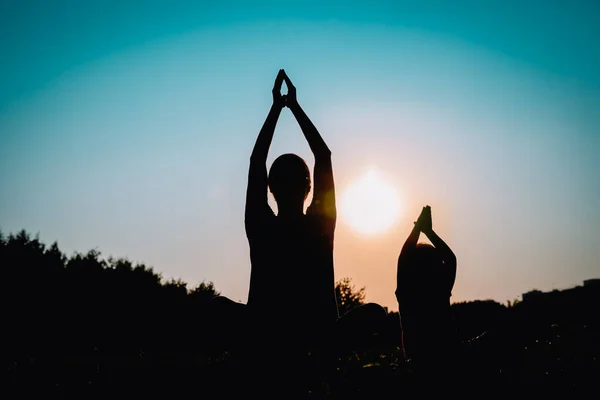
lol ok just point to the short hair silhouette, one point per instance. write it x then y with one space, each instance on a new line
289 178
427 257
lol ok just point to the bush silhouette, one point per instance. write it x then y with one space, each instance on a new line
85 326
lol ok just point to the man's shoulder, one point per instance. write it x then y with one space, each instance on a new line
257 225
321 223
317 215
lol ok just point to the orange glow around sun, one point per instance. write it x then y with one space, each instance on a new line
370 205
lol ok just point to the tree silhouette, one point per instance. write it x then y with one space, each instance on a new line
86 325
348 296
203 293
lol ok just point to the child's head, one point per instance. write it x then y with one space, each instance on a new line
428 258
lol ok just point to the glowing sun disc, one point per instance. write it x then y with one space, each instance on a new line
370 204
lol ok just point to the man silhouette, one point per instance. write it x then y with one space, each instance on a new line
292 309
291 252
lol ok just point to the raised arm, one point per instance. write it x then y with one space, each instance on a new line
406 257
323 201
447 254
256 192
409 246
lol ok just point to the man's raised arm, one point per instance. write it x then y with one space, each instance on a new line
324 189
256 193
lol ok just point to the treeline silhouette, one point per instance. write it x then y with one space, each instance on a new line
88 327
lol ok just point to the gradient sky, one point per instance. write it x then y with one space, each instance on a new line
127 126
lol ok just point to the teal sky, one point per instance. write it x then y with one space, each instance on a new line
128 126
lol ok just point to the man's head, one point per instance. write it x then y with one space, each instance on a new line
289 180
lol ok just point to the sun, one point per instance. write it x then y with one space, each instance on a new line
370 205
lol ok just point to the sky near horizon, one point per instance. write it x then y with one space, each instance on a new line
128 129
